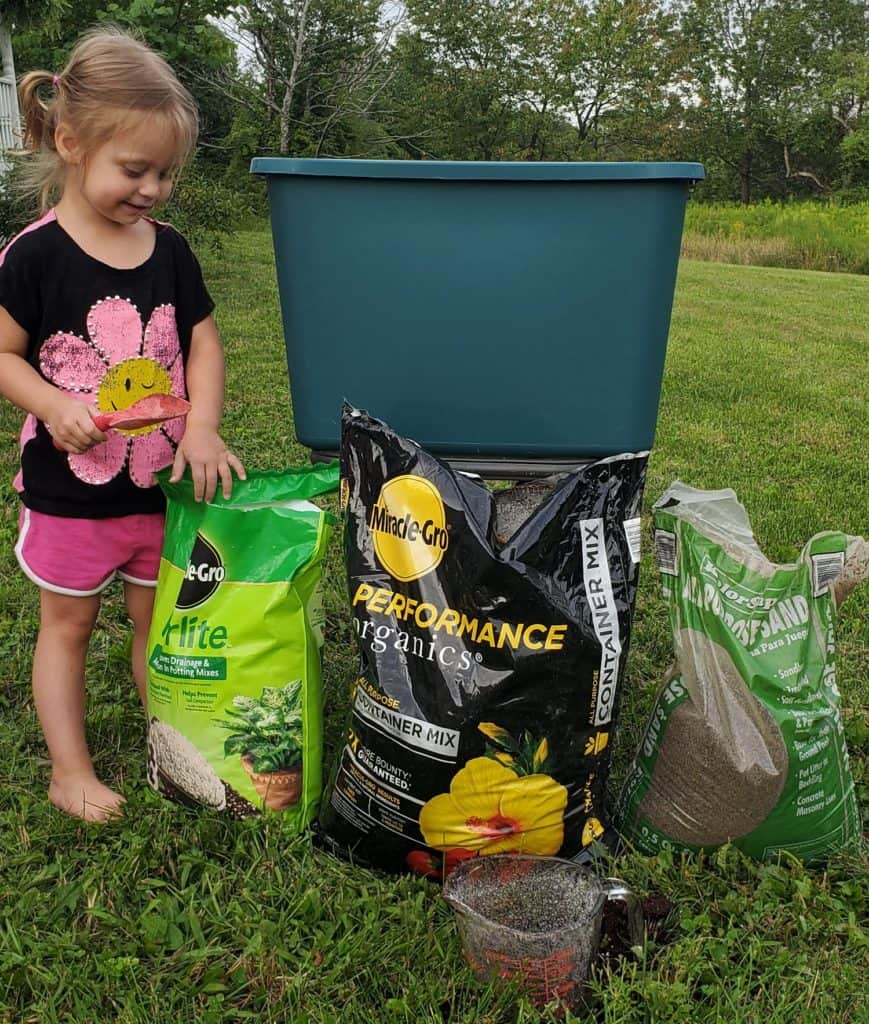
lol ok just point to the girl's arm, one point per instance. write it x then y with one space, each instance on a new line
68 420
202 448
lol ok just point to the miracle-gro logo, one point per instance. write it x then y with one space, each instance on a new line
202 576
408 524
205 573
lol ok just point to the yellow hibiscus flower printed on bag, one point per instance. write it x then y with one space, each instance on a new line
491 809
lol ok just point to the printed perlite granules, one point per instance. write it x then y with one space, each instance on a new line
745 742
493 637
234 689
172 755
178 770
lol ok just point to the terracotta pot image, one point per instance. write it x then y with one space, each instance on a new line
278 790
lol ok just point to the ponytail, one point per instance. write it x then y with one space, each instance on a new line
38 114
43 170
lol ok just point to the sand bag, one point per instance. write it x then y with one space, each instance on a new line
234 686
493 639
745 742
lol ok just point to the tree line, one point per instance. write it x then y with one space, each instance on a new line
771 95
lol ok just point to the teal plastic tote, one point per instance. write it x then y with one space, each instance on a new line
488 310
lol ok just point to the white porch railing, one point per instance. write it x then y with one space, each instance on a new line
10 119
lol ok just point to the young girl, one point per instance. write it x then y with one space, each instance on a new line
100 305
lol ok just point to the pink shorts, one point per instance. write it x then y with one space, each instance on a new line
80 557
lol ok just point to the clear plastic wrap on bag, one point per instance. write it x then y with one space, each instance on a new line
745 742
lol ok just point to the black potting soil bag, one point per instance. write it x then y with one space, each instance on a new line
491 664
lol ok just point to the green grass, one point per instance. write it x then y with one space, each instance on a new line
807 235
175 916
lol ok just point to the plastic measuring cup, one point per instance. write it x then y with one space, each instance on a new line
537 919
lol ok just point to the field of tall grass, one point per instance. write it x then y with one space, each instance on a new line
806 236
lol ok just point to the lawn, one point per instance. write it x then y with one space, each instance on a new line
174 916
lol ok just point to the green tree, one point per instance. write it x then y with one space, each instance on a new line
605 66
460 78
740 58
321 69
827 138
776 92
44 32
534 79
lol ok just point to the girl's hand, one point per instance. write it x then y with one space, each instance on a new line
203 450
71 425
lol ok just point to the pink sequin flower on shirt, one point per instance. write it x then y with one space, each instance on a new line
116 365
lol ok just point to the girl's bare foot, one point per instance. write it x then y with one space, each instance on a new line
85 797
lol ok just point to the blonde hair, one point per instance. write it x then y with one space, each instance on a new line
110 79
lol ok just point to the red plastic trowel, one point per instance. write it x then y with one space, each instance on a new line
147 412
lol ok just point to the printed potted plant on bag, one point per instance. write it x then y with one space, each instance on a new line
267 733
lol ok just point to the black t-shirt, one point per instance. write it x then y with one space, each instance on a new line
108 337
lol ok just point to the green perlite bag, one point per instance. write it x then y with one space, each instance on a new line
234 686
745 742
